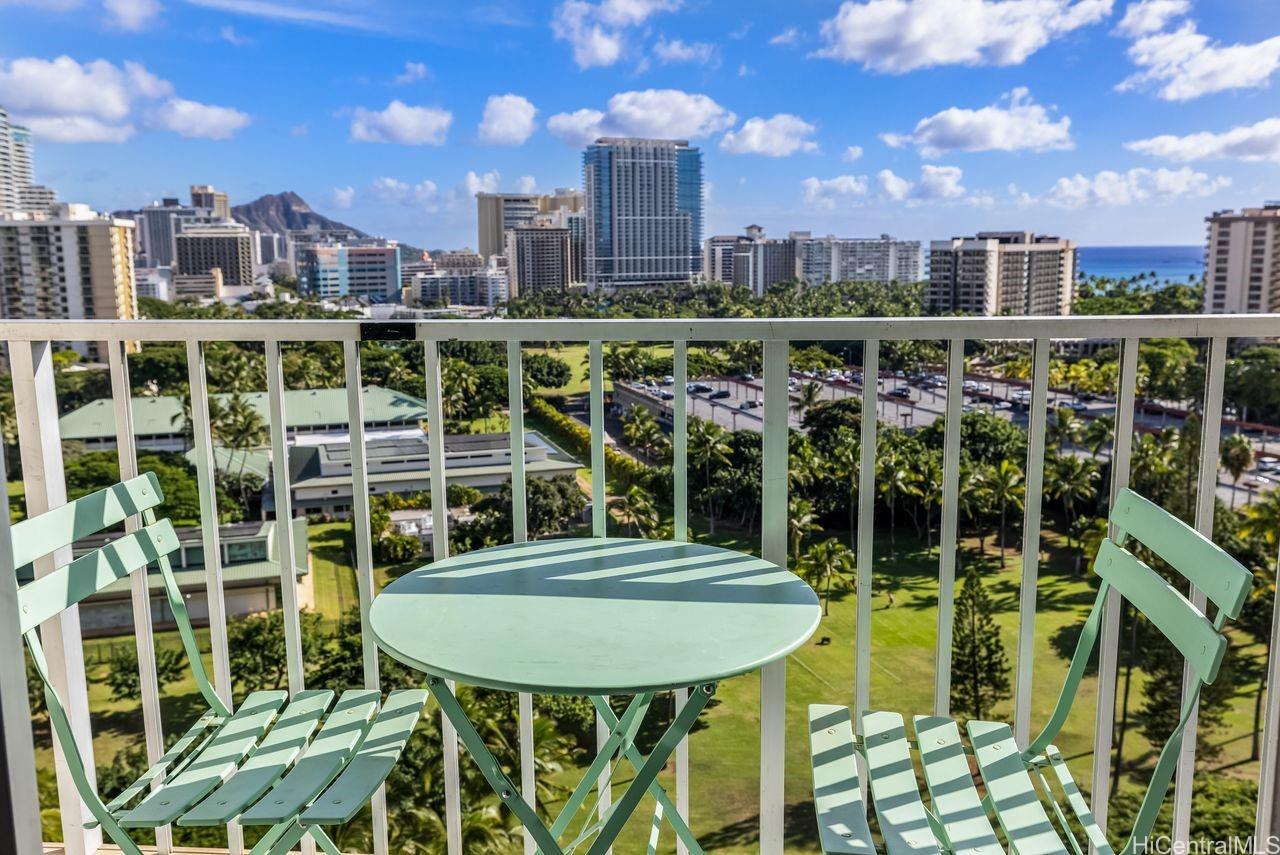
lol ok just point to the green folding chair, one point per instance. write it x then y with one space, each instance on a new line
293 764
1018 782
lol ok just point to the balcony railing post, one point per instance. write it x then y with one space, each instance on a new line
950 525
1206 496
36 404
440 551
210 539
1109 638
360 521
866 528
773 542
18 799
680 503
1268 816
520 534
1034 488
139 588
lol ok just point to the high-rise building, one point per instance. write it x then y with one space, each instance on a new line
476 286
644 212
67 263
1002 273
1242 261
497 213
717 256
158 226
214 201
833 259
759 262
227 246
371 272
539 258
460 259
15 163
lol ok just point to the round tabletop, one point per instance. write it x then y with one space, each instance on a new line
594 616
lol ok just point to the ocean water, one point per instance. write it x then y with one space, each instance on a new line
1174 263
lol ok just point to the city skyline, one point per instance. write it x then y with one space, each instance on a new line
949 117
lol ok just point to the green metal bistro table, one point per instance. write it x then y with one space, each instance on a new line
593 617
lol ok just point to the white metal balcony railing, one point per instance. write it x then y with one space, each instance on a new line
30 351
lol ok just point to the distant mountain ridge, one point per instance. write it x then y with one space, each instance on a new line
283 212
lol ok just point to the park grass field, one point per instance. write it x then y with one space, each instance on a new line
724 749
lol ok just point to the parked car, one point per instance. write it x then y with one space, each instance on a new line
666 395
720 395
900 392
1003 405
1076 406
668 380
697 388
751 405
1258 482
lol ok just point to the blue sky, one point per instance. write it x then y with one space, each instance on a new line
1105 121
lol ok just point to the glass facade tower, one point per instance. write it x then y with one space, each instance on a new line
644 212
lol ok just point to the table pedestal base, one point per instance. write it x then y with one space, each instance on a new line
619 745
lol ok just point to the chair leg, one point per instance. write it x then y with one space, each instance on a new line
279 839
322 840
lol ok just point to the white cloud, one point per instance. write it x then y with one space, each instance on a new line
664 113
898 36
508 120
486 183
745 70
132 14
229 35
1108 188
827 193
1150 16
343 197
393 190
199 121
780 136
1183 64
65 101
526 184
300 130
1256 142
852 153
678 50
401 123
893 186
936 184
413 72
789 36
1015 123
596 31
300 13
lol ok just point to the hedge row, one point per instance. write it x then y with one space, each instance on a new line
619 467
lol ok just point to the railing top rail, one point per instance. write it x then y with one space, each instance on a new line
675 329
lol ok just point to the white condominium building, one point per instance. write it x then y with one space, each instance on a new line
1002 273
1242 261
67 263
833 259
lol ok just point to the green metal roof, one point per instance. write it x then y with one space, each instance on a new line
303 408
234 462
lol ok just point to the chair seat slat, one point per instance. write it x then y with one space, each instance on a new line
267 762
904 823
1076 800
327 755
952 795
837 792
1011 794
372 763
220 757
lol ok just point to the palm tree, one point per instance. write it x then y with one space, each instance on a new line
845 459
1004 487
1071 480
930 492
636 506
708 446
1099 432
807 395
1064 429
825 563
1237 458
801 521
894 479
1262 519
641 430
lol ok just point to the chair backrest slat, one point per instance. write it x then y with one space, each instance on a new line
87 515
1173 614
1202 562
70 584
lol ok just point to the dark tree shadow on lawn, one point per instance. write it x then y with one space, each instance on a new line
799 822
